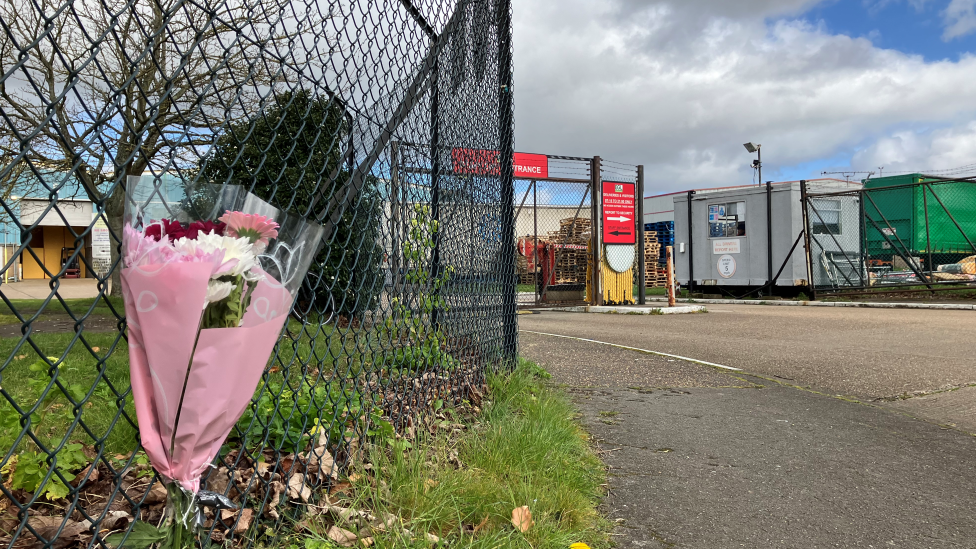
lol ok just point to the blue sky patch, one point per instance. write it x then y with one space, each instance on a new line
911 26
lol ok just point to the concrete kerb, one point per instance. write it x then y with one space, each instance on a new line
864 305
629 309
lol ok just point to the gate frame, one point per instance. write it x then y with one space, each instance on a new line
594 189
931 285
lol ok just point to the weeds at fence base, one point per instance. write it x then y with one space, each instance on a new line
465 479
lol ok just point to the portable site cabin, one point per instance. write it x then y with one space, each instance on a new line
900 205
723 236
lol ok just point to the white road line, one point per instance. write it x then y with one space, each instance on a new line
679 357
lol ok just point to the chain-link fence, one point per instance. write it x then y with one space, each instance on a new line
915 236
349 113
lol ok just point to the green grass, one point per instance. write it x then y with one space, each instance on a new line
79 368
525 449
107 363
99 306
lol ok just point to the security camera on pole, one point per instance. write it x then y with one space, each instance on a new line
757 163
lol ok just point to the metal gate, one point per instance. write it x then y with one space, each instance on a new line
557 230
553 228
913 237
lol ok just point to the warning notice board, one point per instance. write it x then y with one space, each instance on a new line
618 213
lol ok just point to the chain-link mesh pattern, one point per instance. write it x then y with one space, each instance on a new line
350 113
911 237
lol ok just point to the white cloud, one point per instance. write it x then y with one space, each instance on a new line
922 151
662 84
960 19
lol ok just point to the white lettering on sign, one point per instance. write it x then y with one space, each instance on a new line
726 266
725 246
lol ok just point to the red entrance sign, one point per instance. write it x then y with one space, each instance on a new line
618 213
481 162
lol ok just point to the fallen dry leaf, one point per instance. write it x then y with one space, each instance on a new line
344 538
431 538
354 477
522 518
96 349
481 524
344 487
276 488
297 487
367 542
386 522
157 494
430 483
244 522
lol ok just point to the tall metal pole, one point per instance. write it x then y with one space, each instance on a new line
806 232
596 180
535 243
641 282
395 216
759 158
691 246
435 188
865 252
928 236
506 133
769 235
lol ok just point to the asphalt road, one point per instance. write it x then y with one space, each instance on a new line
701 457
875 355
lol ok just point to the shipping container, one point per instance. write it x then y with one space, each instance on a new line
896 209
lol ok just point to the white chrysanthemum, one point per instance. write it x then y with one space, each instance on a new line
217 290
240 249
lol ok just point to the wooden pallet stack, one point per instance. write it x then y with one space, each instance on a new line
571 262
522 267
654 272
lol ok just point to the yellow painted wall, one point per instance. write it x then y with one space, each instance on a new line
55 238
617 287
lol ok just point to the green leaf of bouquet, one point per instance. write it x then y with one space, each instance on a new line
142 536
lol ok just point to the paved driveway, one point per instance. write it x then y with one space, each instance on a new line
702 457
876 355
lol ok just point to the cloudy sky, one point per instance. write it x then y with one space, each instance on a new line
679 85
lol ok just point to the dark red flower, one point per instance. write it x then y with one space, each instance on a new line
204 227
154 231
173 229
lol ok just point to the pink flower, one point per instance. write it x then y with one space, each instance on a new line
139 250
256 228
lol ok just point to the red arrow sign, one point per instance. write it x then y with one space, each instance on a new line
618 213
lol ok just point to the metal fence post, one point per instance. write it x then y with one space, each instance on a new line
597 236
435 189
769 237
691 246
806 231
642 283
506 133
535 244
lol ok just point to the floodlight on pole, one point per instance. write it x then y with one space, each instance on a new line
752 147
